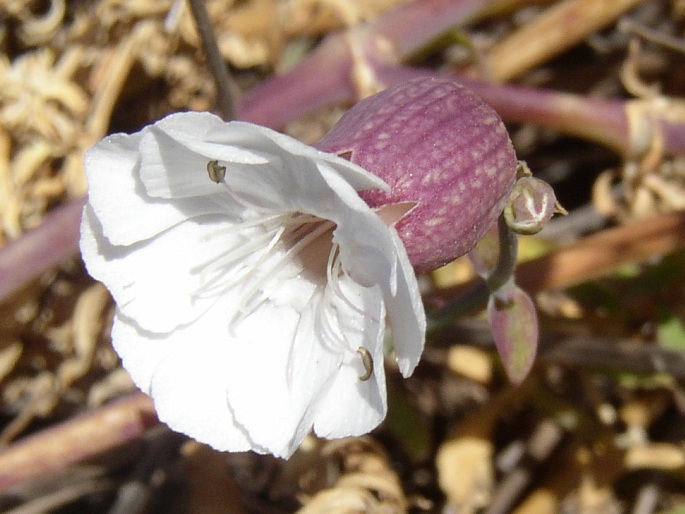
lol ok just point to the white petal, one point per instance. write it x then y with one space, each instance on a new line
156 282
184 372
182 143
118 198
206 134
351 406
289 373
170 170
354 175
276 373
406 313
376 255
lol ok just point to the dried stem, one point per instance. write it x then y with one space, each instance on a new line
41 248
593 256
601 253
57 447
225 86
559 27
632 26
614 355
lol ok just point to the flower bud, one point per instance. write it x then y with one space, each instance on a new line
531 205
438 145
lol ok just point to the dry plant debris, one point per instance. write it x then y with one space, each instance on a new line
598 427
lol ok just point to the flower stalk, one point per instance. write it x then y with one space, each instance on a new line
495 265
511 312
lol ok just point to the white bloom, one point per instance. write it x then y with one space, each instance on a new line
250 308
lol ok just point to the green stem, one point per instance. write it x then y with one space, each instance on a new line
476 297
506 260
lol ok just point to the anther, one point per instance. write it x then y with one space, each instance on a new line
216 173
368 363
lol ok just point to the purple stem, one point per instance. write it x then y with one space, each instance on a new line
351 64
94 432
674 136
332 72
284 98
321 79
40 248
413 25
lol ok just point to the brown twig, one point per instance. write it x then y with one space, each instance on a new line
541 444
226 88
558 28
614 355
601 253
77 439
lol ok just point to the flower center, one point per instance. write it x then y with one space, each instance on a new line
263 250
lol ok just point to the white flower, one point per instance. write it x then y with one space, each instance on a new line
251 281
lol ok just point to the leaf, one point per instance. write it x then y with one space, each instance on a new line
514 325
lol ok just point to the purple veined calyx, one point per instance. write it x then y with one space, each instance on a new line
216 172
367 361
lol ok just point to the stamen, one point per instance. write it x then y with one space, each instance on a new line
274 226
333 272
256 251
329 322
211 283
240 225
248 303
216 173
367 361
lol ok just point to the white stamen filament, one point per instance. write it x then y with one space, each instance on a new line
333 271
267 240
248 303
297 231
